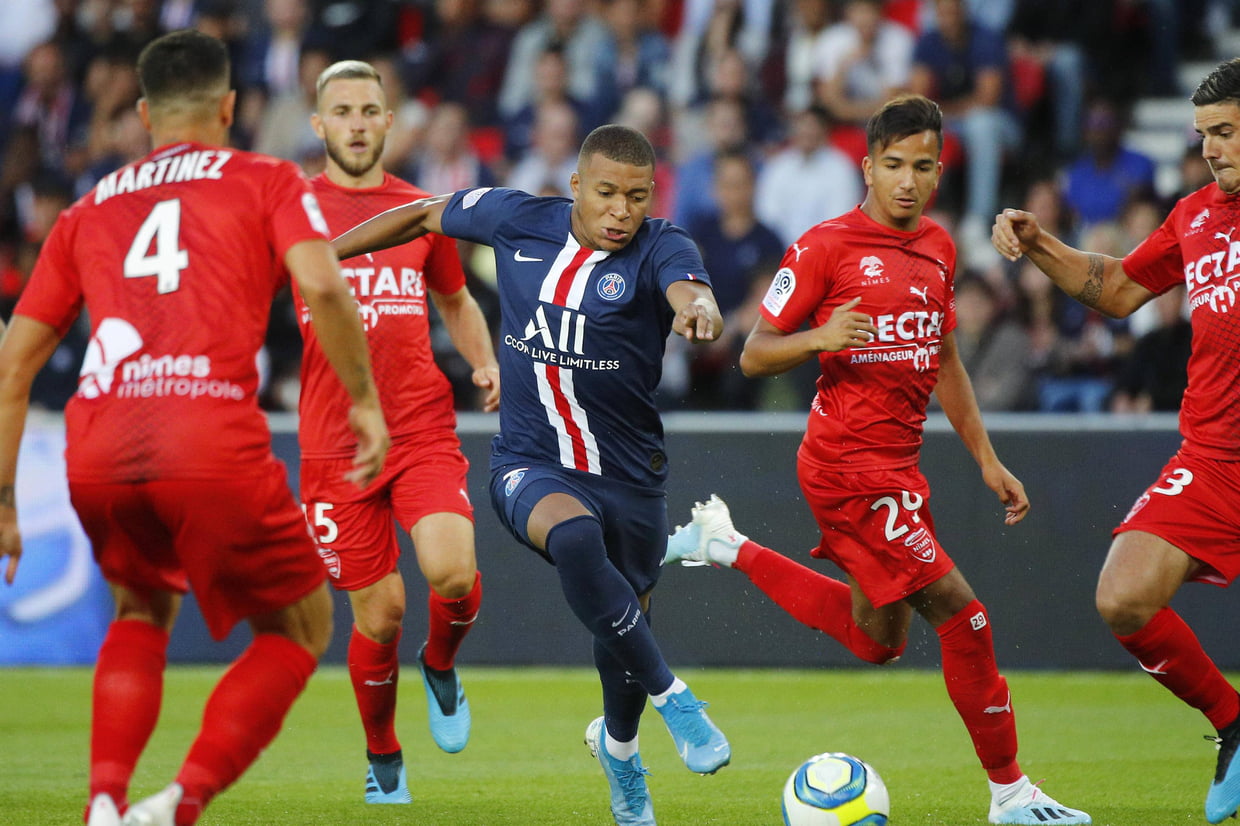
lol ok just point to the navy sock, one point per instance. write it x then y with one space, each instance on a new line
605 603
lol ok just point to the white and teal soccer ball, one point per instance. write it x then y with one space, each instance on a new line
835 789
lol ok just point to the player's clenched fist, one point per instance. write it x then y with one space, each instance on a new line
1014 232
846 328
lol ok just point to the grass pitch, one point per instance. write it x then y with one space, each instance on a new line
1116 745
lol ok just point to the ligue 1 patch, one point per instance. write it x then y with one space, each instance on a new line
781 289
473 195
513 478
610 286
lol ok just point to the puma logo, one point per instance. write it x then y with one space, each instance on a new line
797 249
920 293
1000 709
376 683
1225 236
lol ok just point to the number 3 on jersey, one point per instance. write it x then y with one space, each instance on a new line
162 227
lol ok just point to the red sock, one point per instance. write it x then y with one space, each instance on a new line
1169 651
374 668
979 692
128 687
449 620
811 598
243 714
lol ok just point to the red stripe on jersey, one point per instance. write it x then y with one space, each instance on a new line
565 408
565 283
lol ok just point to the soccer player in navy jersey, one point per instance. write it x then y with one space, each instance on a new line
869 295
589 290
1185 527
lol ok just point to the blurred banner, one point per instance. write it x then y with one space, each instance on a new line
57 610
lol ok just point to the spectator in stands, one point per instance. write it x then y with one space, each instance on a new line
710 28
410 116
551 160
53 106
463 55
726 131
964 67
740 253
993 346
862 61
348 28
807 182
809 24
271 55
580 35
1107 175
551 85
635 54
1154 375
447 162
284 131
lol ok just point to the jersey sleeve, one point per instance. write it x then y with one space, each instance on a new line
53 295
677 258
797 288
1157 263
444 273
294 211
476 214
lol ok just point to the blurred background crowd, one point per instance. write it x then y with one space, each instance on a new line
1074 109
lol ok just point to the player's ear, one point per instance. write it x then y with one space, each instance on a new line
316 123
867 169
228 106
144 113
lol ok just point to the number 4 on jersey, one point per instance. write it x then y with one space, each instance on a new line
163 227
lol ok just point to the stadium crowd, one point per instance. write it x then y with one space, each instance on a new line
755 107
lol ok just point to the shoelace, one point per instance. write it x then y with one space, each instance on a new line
689 722
630 776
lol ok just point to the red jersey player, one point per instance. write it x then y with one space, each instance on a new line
875 287
423 485
1185 526
176 258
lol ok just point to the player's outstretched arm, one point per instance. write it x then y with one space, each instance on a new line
26 347
697 313
399 225
1095 280
336 324
470 334
955 393
770 351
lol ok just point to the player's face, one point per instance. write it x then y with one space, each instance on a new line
1219 127
353 121
901 177
611 201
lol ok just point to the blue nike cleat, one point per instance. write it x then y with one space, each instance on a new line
385 779
447 710
630 799
699 742
1224 796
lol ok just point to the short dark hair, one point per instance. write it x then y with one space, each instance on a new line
1221 84
183 67
901 117
618 143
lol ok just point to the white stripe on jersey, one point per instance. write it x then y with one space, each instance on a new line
580 278
567 430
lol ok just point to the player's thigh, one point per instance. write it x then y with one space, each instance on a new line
1141 574
887 625
379 608
353 528
444 546
530 500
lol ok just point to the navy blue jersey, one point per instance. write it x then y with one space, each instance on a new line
582 333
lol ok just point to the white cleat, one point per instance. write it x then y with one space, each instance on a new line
1030 806
103 811
159 809
718 539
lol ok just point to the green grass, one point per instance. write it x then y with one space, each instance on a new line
1116 745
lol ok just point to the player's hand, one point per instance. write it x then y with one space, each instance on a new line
845 328
488 379
698 321
366 422
10 541
1014 232
1010 490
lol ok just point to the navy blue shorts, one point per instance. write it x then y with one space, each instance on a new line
634 519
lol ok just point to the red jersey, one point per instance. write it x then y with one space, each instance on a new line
871 401
176 258
1198 245
390 288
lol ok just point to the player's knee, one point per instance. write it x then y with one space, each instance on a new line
1122 613
455 584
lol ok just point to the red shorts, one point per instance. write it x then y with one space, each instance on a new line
1194 505
877 527
355 529
239 544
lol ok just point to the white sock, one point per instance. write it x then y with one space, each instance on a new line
677 686
1001 793
618 750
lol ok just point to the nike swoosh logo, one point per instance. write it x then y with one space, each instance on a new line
623 617
519 257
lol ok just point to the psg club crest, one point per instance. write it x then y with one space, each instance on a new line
512 479
611 286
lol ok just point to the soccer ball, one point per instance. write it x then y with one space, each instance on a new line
835 789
